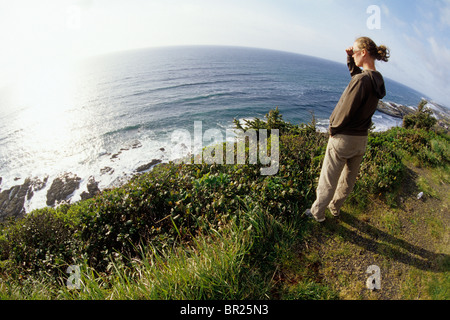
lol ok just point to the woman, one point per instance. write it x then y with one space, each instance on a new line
349 126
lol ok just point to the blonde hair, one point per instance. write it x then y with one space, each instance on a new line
381 53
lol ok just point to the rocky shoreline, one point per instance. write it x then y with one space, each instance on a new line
394 110
61 190
400 111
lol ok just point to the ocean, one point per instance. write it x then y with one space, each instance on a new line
106 116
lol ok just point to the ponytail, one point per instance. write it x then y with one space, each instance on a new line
380 53
383 53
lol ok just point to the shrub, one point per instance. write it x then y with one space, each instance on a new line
381 171
421 119
273 120
428 147
42 241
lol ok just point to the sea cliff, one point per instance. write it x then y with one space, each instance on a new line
61 189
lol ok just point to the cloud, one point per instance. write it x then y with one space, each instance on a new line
444 13
385 10
439 61
428 67
418 36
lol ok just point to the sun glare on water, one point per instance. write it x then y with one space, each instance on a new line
39 80
46 95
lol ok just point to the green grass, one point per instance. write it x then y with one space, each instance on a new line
211 268
439 286
211 232
425 187
237 262
391 221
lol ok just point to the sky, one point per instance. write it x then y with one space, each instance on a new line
416 31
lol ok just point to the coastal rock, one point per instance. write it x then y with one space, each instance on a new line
400 111
394 110
136 144
12 200
440 112
92 189
148 165
36 185
133 145
115 155
62 187
107 170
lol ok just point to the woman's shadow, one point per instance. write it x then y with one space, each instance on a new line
380 242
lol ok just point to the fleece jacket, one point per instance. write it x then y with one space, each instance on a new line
353 113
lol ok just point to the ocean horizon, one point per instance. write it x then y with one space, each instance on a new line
102 119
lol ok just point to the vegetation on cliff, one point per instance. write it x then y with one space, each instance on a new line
199 231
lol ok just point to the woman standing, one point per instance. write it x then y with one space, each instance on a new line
349 126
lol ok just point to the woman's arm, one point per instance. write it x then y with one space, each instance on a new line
354 70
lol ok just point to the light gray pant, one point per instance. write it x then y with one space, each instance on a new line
339 172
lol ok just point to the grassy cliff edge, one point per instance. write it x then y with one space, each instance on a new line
198 231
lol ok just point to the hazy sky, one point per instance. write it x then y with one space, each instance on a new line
417 32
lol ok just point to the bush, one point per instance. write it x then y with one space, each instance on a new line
42 241
421 119
428 147
382 169
273 120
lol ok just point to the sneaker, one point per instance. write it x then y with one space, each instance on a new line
334 212
308 213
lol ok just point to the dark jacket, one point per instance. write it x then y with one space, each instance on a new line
353 113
